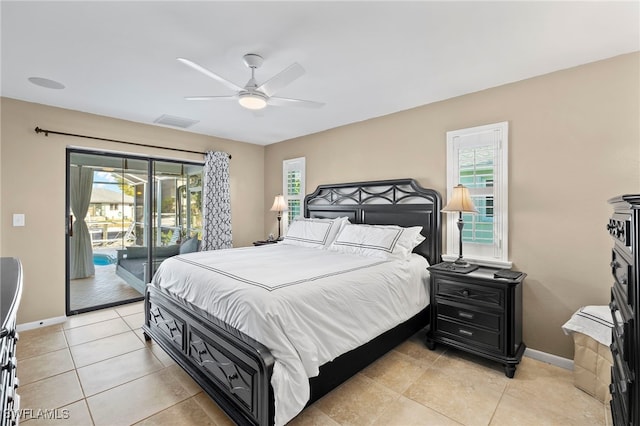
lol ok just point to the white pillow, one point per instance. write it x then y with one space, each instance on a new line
318 233
381 241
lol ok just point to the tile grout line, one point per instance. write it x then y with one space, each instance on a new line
157 412
75 370
432 408
395 401
106 337
498 404
132 380
178 403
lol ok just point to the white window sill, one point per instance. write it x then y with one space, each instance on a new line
483 262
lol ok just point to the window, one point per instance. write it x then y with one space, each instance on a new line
477 159
293 172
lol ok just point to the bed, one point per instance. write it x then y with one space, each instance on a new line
239 372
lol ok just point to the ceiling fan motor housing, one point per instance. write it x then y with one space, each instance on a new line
252 60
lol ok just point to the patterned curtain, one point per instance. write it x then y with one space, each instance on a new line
217 202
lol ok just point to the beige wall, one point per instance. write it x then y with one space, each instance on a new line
33 182
2 215
574 142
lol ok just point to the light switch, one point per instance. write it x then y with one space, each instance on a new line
18 219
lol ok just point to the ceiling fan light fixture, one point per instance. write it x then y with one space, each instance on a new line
253 101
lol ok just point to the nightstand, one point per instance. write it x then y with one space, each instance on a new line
478 313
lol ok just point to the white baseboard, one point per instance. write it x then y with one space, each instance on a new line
39 324
549 358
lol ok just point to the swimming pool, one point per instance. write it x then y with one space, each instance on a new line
103 259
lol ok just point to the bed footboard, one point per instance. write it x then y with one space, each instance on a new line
232 368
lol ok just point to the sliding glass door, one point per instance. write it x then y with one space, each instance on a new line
177 210
125 215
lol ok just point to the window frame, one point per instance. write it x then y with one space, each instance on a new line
298 164
468 138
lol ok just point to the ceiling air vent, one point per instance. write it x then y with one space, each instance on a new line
170 120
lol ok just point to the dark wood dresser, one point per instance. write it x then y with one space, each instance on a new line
624 228
10 293
478 313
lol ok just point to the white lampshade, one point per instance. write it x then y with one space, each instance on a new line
460 201
279 205
252 101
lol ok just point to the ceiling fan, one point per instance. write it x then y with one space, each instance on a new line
253 96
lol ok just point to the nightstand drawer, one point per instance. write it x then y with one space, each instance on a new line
467 333
471 316
469 293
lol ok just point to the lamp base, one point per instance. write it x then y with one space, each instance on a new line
461 263
459 268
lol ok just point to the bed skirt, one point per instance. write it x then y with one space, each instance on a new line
592 366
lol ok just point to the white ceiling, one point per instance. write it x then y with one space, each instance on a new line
363 59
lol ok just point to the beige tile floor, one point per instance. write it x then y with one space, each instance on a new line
102 288
96 369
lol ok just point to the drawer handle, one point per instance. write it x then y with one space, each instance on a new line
615 265
465 293
11 364
233 376
623 386
465 332
202 352
466 315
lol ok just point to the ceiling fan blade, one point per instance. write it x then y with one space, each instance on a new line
210 74
278 81
209 98
294 102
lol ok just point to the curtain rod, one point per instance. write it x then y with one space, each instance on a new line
46 133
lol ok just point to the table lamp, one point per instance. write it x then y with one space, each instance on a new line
460 202
279 205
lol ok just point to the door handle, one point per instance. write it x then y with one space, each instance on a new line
71 225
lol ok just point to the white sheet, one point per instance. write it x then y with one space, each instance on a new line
595 321
306 305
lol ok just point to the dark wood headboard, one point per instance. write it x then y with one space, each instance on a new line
386 202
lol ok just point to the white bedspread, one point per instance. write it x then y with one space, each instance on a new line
306 305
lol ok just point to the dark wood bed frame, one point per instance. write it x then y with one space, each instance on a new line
234 369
